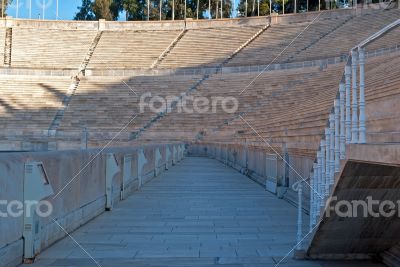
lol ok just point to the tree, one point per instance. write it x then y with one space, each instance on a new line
191 8
252 7
116 6
101 9
85 12
6 4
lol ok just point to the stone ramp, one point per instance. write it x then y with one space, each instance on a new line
362 234
200 213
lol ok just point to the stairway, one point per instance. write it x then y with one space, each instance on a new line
342 24
64 104
8 47
168 50
73 86
245 44
392 257
159 116
135 135
90 52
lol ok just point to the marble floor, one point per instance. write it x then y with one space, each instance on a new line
199 213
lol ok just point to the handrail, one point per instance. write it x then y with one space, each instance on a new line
378 34
346 124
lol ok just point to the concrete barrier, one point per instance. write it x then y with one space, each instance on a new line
78 179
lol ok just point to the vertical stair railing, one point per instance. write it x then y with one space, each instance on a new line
346 125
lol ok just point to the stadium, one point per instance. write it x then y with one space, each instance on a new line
267 140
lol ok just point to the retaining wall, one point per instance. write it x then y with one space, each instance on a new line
82 200
252 161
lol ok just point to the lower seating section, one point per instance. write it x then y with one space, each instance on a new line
298 117
106 105
130 49
50 49
212 46
28 104
279 104
181 125
382 99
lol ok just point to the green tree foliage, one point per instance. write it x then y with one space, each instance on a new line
137 9
102 9
6 4
252 7
85 12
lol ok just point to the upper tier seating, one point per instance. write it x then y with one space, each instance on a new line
340 41
130 49
108 104
207 47
276 38
2 42
324 38
389 40
28 104
50 49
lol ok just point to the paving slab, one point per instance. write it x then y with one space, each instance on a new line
199 213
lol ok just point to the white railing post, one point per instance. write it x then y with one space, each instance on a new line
342 149
332 149
362 129
337 135
312 197
354 108
327 160
323 168
316 194
347 75
299 215
320 177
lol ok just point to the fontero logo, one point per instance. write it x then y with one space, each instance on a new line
364 208
27 208
187 104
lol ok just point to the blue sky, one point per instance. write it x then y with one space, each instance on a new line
66 8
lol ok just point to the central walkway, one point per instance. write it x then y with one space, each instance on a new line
199 213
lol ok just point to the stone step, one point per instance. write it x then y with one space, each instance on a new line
385 137
392 257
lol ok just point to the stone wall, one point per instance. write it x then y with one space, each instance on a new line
83 199
169 24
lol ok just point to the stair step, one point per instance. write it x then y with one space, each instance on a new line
168 50
8 47
390 259
385 137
